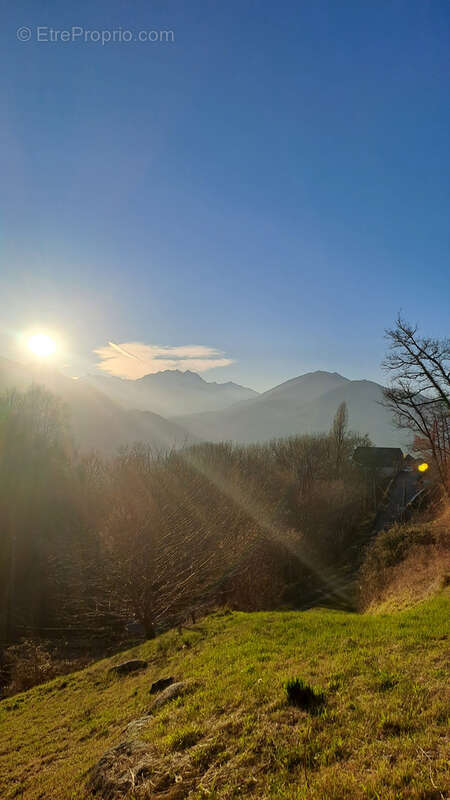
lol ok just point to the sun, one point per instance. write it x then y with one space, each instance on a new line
42 345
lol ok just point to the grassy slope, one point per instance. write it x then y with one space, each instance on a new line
382 735
407 563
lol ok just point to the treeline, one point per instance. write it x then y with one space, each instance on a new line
89 544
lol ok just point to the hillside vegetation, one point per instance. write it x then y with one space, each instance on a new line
90 545
406 563
381 732
285 704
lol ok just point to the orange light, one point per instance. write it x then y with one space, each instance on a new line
422 467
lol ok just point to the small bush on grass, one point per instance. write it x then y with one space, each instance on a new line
303 696
393 725
26 664
183 738
386 681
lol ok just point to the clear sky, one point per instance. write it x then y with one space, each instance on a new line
272 186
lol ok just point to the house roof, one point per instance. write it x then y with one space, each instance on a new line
378 457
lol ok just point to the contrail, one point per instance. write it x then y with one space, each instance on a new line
124 352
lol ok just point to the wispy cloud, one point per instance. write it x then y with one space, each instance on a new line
133 360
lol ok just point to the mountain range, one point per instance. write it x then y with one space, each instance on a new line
171 392
306 404
171 408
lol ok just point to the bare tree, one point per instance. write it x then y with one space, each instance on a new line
339 435
171 534
419 392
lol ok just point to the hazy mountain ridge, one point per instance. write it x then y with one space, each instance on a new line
97 422
171 392
305 404
311 385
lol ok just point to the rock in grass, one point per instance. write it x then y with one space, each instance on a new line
130 765
158 686
129 666
171 693
119 770
136 726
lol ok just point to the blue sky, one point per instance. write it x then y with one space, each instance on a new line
272 186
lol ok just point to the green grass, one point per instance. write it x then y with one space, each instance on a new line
381 733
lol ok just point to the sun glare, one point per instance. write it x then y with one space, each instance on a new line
42 345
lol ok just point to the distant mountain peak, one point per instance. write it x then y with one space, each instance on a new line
317 382
108 412
173 374
303 405
171 392
321 373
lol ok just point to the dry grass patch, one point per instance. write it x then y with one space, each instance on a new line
406 564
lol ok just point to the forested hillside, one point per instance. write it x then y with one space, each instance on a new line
89 544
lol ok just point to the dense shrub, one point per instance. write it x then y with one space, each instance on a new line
30 662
